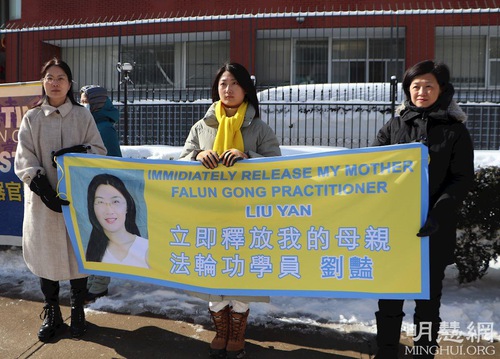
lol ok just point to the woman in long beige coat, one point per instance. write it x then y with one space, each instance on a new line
56 123
230 131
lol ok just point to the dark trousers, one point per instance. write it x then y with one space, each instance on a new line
426 318
50 290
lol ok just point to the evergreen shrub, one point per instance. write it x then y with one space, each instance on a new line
478 235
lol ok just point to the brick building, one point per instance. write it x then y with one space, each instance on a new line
308 41
176 46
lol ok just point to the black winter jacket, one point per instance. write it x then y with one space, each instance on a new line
451 166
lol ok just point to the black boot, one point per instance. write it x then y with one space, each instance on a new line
52 322
78 291
425 340
388 335
52 318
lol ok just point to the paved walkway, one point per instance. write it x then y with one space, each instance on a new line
115 335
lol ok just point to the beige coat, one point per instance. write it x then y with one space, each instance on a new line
258 137
47 248
259 140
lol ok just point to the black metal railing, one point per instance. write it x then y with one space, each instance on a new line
339 124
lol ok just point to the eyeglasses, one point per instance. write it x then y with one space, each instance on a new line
51 80
115 203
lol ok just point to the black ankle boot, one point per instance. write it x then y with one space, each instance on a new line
78 325
52 322
78 291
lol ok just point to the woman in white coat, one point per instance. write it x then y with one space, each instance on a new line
55 125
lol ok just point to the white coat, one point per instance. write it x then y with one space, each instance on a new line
47 248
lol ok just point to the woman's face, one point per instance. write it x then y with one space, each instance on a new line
230 92
424 90
110 208
56 85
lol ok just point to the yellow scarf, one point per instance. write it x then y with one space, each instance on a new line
229 133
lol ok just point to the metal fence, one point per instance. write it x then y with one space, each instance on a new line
350 125
322 76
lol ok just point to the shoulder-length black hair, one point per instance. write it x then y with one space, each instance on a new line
98 241
65 67
440 71
241 75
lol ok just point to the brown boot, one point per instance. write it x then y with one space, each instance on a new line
221 323
235 348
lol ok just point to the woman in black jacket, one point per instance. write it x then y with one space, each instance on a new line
430 116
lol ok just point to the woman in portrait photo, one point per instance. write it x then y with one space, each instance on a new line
115 237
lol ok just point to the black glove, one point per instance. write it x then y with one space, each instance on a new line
430 226
72 149
437 215
41 186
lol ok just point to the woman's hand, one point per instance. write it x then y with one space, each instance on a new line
208 158
229 157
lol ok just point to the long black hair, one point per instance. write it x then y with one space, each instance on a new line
98 241
65 67
241 75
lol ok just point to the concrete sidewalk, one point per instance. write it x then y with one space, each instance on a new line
115 335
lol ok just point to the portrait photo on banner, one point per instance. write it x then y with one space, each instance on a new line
112 215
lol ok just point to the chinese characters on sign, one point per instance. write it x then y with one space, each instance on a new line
329 224
287 239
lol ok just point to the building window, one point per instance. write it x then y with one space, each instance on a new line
181 65
311 62
466 57
272 65
296 56
385 59
161 62
154 65
494 56
367 60
472 53
203 59
14 9
348 61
